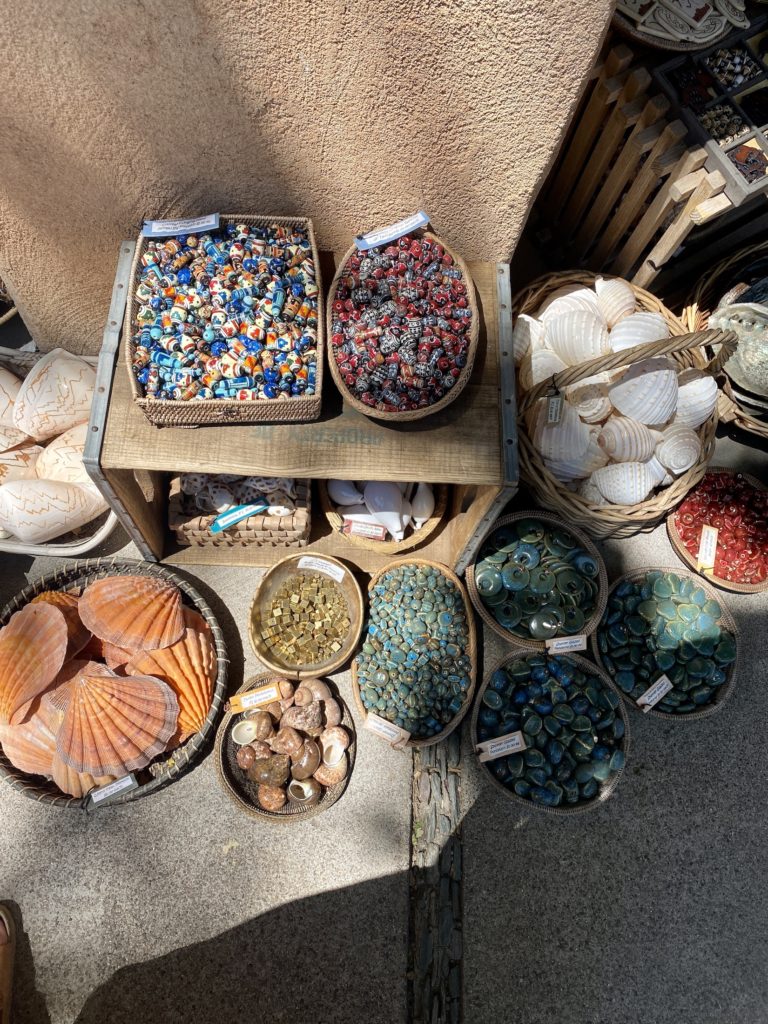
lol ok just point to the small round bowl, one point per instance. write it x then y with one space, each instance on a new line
306 564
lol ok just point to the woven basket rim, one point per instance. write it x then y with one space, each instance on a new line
178 760
471 651
726 617
585 665
386 547
625 26
461 381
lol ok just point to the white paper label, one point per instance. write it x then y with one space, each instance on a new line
512 743
254 699
654 693
558 644
707 547
370 530
336 572
554 409
124 785
392 231
392 733
162 228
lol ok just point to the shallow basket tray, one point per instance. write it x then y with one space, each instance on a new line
471 651
626 27
610 784
169 766
681 550
602 578
685 350
726 619
217 411
243 792
386 547
461 381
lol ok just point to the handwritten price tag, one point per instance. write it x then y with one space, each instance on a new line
559 644
554 409
320 565
254 698
104 794
192 225
392 231
388 731
707 548
654 693
512 743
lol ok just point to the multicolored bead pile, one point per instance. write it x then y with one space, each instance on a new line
228 315
401 325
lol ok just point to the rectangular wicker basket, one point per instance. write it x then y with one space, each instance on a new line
217 411
193 529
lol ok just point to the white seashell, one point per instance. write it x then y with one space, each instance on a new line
385 501
56 395
62 459
538 366
590 397
527 335
615 299
36 511
679 448
422 505
589 491
577 336
191 483
358 514
578 467
280 504
344 492
624 483
660 473
568 439
626 440
637 329
696 398
19 464
647 392
406 517
10 438
569 298
9 388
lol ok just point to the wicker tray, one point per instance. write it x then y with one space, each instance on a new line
243 792
584 541
386 547
462 380
612 782
681 550
626 27
217 411
192 528
686 350
726 619
170 766
471 651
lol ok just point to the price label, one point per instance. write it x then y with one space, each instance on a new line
554 409
104 794
512 743
336 572
235 515
369 530
392 231
654 693
707 548
254 698
560 644
190 225
393 734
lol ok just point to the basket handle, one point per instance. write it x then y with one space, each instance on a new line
727 341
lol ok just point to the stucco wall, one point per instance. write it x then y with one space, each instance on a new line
351 113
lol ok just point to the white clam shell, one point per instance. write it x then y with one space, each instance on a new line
696 398
615 299
62 459
19 464
577 336
568 439
37 511
9 388
679 448
578 467
660 473
56 395
384 501
624 483
627 440
422 505
637 329
590 397
539 365
567 299
647 392
344 492
528 334
590 492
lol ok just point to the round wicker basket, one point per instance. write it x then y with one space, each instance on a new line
471 650
386 547
462 380
682 551
626 27
174 764
686 350
481 608
726 619
243 792
609 786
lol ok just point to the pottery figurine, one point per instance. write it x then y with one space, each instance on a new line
55 395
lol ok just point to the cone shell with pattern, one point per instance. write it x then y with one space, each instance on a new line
62 459
19 463
566 440
647 392
78 634
567 299
590 397
696 398
56 394
527 335
578 467
637 329
36 511
31 745
624 483
615 299
9 388
32 650
679 448
626 440
539 365
12 437
577 336
133 612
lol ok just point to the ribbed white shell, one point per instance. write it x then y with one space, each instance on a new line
590 397
637 329
568 439
627 440
647 392
568 298
679 448
577 336
528 334
615 299
590 492
660 473
539 365
578 466
696 398
624 483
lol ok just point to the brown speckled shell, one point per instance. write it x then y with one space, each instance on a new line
271 798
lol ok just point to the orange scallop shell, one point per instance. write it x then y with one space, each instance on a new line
79 635
189 667
58 695
133 612
116 724
32 650
31 746
77 784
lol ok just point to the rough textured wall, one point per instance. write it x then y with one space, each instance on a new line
351 113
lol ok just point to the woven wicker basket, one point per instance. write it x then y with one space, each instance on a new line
696 316
471 650
681 550
170 766
481 608
386 547
193 529
466 373
626 27
613 780
217 411
685 350
726 619
243 792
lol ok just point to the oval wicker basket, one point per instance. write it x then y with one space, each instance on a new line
471 651
612 782
462 380
726 619
545 517
683 553
686 350
243 792
386 547
170 766
696 316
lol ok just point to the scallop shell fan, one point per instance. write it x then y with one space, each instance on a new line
637 329
647 392
76 784
624 483
133 612
78 634
31 745
577 336
615 299
696 398
32 650
679 448
626 440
